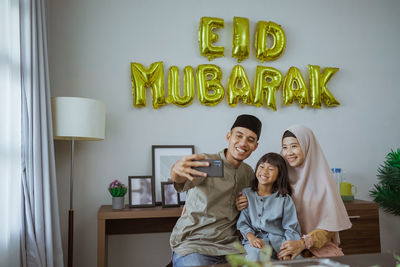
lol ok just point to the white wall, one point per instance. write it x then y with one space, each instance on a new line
91 46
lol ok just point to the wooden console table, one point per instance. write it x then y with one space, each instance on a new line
363 237
131 221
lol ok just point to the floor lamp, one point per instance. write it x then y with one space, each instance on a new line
76 118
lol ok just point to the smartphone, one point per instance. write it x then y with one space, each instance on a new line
215 169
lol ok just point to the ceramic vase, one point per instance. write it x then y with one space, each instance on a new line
118 203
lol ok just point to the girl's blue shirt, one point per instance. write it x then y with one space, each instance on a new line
269 218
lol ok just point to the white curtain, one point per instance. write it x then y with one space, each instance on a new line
40 235
10 133
29 221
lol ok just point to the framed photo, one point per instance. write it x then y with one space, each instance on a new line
182 197
163 159
170 197
141 191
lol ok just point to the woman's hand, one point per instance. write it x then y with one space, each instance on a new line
291 248
241 202
254 241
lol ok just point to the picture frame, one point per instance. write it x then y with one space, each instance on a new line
163 158
170 197
141 191
182 197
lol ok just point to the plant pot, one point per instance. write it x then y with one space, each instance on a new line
118 203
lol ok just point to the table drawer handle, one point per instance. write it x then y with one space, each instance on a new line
355 217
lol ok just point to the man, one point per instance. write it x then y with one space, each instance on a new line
206 231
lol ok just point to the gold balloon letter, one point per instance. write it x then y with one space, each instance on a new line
174 88
142 78
318 88
294 88
267 80
328 98
315 92
278 45
239 87
207 37
240 43
209 86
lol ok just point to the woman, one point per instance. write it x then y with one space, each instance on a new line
320 210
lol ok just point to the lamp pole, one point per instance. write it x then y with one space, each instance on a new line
71 210
76 118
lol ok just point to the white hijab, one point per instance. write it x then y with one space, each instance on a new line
315 194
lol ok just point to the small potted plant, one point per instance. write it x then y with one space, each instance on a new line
117 191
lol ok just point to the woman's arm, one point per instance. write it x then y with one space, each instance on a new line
315 239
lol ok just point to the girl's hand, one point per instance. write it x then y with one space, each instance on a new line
241 202
254 241
291 248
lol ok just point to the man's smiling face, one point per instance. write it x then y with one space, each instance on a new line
241 143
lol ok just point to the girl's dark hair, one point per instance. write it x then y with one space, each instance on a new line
282 182
288 133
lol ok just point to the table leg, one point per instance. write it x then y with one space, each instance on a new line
101 243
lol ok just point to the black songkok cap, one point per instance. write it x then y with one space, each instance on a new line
250 122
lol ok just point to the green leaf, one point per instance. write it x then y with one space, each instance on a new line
239 260
387 192
124 190
397 257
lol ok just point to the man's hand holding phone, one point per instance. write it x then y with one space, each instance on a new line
214 169
184 168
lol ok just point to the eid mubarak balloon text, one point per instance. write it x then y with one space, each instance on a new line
208 77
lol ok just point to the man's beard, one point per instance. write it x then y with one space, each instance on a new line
238 160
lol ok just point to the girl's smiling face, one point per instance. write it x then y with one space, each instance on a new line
267 173
292 152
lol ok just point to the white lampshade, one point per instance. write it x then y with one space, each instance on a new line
76 118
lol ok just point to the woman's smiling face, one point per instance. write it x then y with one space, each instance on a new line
292 152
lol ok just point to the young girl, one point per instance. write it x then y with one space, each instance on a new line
270 217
